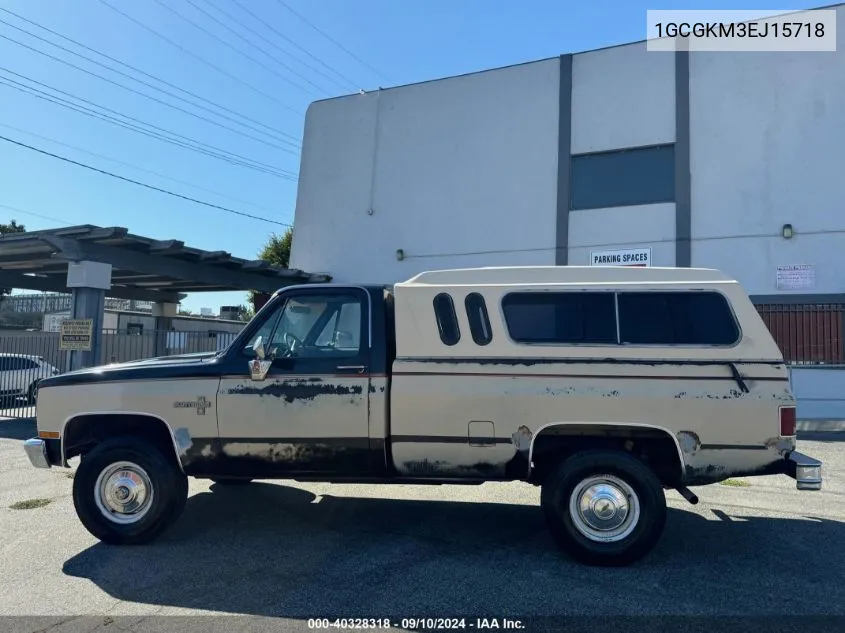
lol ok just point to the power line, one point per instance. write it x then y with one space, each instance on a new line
35 215
331 39
254 45
124 163
199 58
241 52
287 39
138 92
248 28
142 184
188 143
151 76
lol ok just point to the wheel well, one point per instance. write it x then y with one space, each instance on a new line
84 432
653 446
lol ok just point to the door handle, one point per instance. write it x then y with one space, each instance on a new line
359 368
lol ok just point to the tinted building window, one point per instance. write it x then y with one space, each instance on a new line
479 320
558 317
622 178
676 318
447 319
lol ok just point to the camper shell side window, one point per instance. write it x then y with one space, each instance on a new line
647 318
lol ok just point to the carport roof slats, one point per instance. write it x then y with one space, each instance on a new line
142 267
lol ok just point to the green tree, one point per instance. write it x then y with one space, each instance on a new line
276 251
6 229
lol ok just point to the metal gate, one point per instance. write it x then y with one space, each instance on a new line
26 358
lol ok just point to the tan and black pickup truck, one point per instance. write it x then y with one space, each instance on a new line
603 385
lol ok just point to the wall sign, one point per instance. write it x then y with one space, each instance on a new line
76 335
796 277
639 257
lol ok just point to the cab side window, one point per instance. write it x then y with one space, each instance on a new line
313 326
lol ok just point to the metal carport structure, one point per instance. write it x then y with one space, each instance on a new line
93 262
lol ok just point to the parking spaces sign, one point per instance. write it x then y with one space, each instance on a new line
639 257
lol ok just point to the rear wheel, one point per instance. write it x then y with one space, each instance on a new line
604 508
126 491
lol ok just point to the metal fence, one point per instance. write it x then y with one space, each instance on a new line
27 357
807 334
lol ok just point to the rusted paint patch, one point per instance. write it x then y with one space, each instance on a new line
293 390
781 444
688 441
425 467
182 438
522 439
483 469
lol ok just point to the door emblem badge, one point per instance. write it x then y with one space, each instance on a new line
200 404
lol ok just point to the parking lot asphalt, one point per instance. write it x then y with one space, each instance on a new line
295 551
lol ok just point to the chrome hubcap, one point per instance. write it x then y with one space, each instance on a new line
604 508
123 492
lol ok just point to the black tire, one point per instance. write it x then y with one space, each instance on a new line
169 491
230 481
562 482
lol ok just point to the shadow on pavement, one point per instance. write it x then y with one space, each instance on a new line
18 429
268 549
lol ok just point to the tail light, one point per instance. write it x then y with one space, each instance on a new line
787 421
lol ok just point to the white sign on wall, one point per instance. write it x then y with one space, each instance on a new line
796 277
640 257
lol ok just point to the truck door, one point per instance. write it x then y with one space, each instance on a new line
304 409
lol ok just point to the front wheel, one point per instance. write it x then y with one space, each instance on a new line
126 492
604 507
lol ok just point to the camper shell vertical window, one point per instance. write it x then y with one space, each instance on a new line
479 320
447 319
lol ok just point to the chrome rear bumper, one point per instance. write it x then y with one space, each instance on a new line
805 470
36 450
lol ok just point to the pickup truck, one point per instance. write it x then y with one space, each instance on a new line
605 386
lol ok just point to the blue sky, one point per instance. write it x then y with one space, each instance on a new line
404 41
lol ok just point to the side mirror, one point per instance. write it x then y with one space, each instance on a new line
258 348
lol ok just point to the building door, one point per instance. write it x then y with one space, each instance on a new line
305 408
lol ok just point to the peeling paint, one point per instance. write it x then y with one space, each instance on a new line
689 441
781 444
522 439
182 438
293 390
425 467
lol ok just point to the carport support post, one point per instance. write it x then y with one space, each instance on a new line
163 313
88 282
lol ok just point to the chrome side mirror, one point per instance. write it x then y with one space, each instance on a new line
260 365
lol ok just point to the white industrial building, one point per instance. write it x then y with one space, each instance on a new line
715 159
